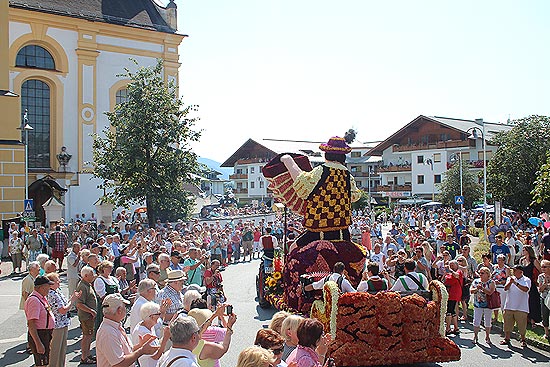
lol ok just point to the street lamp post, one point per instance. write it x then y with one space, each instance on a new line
483 140
454 157
368 185
26 127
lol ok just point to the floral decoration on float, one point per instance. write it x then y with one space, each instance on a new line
325 310
385 327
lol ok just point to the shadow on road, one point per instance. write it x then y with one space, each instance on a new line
14 354
264 314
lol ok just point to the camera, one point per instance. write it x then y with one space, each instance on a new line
229 309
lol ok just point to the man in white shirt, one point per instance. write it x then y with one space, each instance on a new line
184 333
337 276
112 344
147 292
411 281
516 306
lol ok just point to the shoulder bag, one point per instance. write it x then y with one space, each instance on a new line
493 300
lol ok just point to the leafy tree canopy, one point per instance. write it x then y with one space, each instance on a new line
541 192
145 155
512 171
450 186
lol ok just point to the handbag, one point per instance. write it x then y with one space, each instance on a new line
493 300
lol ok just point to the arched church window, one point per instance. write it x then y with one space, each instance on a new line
33 56
121 96
35 98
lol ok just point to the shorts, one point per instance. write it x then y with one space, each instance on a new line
256 246
224 253
87 326
247 247
451 308
58 254
45 336
515 317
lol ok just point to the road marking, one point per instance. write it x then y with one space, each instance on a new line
22 338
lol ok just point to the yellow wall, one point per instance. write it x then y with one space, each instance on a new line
12 179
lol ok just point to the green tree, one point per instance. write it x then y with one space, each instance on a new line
541 192
144 156
512 171
450 186
363 201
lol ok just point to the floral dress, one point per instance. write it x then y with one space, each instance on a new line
56 300
480 298
499 275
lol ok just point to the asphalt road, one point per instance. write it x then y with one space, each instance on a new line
239 281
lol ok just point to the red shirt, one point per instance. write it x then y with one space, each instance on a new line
454 285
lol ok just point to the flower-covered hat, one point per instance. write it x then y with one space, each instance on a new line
336 145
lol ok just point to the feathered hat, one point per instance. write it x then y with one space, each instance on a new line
338 145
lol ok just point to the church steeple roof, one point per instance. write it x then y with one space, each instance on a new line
145 14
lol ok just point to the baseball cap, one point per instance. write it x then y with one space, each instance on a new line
114 300
41 280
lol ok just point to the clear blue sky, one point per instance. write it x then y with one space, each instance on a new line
309 70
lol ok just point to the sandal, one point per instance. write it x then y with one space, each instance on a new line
488 341
523 344
505 342
87 361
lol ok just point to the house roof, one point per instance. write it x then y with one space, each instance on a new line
268 148
461 125
144 14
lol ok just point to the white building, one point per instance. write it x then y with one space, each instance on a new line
247 162
416 157
64 57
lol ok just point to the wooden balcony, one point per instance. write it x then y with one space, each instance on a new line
394 168
240 191
238 176
384 188
364 174
438 145
470 164
250 161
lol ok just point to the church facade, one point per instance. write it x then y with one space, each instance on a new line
59 61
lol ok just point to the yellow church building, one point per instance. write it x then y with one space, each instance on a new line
59 61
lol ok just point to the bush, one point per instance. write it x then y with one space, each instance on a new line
483 247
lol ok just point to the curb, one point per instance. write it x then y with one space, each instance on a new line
544 346
498 326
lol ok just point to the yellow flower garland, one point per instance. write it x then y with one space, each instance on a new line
320 308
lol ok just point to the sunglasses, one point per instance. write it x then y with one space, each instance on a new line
277 350
155 272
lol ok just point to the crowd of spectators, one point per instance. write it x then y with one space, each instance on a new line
162 283
165 284
435 244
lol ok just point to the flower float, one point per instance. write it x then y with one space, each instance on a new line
385 328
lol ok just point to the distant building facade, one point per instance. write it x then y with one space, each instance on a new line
60 58
416 157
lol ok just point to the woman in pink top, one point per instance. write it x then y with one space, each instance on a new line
312 345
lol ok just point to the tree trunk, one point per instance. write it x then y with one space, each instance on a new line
151 212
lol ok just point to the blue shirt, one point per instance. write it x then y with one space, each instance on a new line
497 250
